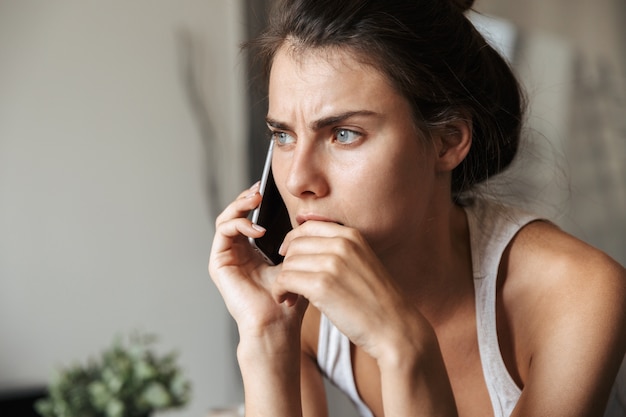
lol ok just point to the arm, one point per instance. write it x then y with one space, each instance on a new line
271 376
334 268
566 307
280 383
415 382
269 347
314 402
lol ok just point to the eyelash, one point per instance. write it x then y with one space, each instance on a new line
338 131
275 135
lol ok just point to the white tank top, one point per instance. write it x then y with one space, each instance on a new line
491 228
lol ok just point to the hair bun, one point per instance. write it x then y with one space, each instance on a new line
462 5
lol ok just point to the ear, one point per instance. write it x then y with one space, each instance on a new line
453 142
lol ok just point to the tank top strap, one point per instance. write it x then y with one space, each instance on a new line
335 360
492 227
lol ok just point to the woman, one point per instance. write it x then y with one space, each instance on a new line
412 295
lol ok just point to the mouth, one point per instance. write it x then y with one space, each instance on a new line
303 218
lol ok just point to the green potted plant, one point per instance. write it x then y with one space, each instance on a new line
127 380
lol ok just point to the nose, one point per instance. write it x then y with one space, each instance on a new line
306 177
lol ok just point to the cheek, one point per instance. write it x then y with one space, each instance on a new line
397 193
389 196
401 175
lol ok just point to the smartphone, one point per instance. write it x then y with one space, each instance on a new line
271 214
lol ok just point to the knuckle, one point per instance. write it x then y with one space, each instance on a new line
324 284
355 236
344 246
220 219
219 225
334 264
223 217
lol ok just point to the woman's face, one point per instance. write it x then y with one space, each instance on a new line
347 150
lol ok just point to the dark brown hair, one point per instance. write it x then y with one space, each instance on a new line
430 52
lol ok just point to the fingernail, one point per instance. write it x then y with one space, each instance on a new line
258 227
253 190
280 249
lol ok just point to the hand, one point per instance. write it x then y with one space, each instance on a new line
243 278
338 272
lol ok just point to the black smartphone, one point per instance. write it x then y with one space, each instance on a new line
271 214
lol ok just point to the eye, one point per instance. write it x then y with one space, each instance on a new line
346 137
282 138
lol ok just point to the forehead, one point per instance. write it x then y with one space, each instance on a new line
324 60
325 76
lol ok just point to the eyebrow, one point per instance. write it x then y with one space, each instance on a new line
323 122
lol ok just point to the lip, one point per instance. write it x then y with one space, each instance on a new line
302 218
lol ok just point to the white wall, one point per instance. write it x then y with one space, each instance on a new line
105 222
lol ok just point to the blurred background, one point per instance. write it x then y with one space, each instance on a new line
571 58
118 119
125 126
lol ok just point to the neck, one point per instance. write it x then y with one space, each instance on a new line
434 264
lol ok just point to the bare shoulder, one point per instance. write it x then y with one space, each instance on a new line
564 301
544 256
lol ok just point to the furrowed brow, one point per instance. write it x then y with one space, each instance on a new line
321 123
335 119
275 124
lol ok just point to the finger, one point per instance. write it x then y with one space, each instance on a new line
288 298
233 228
341 247
315 286
319 229
253 189
240 207
320 275
315 261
